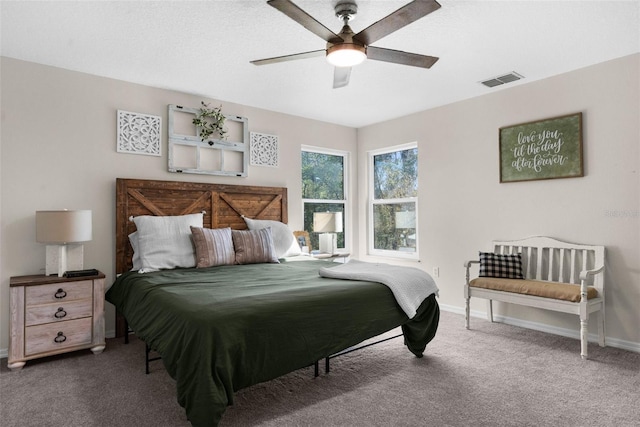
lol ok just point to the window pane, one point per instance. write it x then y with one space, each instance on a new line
394 227
310 208
322 176
395 174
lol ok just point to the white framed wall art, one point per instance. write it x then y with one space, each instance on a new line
139 133
264 149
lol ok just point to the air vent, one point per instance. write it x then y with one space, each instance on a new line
506 78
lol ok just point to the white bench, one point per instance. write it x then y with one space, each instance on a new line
558 276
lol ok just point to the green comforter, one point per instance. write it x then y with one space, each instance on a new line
221 329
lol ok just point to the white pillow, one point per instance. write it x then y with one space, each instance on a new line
283 239
164 242
133 239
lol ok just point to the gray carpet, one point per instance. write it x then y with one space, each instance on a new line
492 375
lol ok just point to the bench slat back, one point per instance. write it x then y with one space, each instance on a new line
544 258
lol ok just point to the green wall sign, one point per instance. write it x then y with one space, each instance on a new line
544 149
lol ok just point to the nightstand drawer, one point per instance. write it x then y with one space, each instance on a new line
59 292
57 336
58 312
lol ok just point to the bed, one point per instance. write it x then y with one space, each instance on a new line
223 328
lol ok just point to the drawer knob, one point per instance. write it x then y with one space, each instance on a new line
60 313
60 294
60 338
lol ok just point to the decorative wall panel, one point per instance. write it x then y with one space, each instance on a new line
139 133
264 149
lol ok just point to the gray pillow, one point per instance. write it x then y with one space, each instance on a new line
283 239
165 241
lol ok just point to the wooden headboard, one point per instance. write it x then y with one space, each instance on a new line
223 206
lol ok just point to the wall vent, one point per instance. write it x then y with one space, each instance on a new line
506 78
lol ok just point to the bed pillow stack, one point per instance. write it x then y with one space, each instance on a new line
167 242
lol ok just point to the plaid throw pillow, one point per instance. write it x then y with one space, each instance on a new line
502 266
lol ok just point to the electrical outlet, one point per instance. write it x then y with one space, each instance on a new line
436 271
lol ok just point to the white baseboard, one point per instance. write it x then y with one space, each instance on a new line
569 333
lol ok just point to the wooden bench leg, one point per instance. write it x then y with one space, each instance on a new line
466 313
601 330
584 330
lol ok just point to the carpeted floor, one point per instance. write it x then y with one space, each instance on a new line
492 375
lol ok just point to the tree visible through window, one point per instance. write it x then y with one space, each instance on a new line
323 182
394 196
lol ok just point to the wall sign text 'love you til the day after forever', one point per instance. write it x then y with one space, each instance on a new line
544 149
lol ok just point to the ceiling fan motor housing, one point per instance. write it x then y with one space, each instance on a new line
346 10
347 51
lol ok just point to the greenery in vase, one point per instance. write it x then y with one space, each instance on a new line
210 121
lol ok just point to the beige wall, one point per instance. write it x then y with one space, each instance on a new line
59 151
462 205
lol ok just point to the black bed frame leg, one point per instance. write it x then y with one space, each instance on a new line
326 365
316 369
147 350
126 331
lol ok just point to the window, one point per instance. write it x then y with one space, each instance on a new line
393 206
323 188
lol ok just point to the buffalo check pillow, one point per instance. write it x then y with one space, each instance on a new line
501 266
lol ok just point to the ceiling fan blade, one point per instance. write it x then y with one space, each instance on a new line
341 77
400 57
404 16
293 57
303 18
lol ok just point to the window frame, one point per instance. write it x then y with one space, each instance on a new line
345 193
371 250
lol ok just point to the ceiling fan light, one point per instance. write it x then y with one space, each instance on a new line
346 55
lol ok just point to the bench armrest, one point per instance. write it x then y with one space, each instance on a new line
584 274
467 266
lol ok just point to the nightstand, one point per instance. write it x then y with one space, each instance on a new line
52 315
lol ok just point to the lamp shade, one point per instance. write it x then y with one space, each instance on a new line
346 54
406 219
59 227
327 222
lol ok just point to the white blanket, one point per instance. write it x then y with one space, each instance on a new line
410 286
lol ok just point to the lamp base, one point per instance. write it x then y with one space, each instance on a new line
328 243
62 258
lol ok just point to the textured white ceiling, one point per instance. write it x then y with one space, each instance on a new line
204 48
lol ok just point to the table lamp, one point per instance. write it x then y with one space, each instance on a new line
328 223
63 231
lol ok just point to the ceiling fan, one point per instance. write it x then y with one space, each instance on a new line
347 49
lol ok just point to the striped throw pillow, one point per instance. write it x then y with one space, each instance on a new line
213 246
254 246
